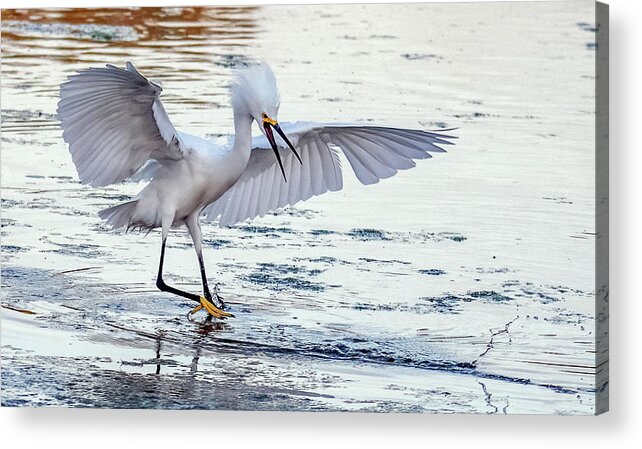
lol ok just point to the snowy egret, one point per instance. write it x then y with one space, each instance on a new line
117 128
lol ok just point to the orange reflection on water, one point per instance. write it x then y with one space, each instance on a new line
151 24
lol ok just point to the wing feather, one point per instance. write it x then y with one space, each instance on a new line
253 196
235 204
383 155
317 183
306 175
283 191
276 186
375 169
363 173
420 138
114 121
373 152
408 149
334 179
243 200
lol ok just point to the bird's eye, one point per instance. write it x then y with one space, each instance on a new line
264 115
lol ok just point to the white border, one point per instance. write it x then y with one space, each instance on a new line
619 428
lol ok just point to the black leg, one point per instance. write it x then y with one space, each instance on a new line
162 286
206 288
205 302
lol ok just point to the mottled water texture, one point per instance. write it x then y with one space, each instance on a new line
464 285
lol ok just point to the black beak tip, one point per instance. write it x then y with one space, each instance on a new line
268 131
297 156
287 141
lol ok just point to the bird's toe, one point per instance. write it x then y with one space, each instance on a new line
212 309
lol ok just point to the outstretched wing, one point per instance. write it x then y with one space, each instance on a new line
114 121
373 152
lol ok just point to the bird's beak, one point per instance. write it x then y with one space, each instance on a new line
268 125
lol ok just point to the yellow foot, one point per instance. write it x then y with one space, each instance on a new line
211 309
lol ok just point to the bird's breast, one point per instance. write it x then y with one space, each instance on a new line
212 176
187 186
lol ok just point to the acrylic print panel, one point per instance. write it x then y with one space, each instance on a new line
470 282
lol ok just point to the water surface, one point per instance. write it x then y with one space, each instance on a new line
463 285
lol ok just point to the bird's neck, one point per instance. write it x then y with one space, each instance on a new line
242 133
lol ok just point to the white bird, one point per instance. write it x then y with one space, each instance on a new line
117 128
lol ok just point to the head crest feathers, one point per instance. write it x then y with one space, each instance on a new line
254 88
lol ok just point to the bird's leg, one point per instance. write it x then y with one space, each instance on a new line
206 288
162 286
207 301
203 303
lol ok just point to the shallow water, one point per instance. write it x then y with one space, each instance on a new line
464 285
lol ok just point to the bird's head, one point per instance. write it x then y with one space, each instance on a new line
255 93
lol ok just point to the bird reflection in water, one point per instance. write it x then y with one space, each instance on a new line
203 329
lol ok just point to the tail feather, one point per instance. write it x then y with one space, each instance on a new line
119 216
